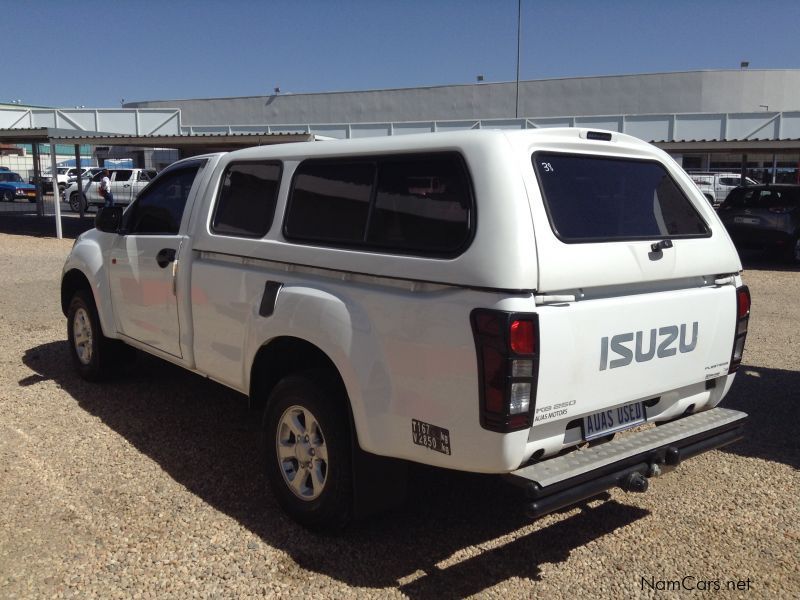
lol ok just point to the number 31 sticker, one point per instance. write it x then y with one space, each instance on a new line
548 168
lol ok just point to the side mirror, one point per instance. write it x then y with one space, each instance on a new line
108 219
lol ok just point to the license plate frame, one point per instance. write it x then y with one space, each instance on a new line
612 420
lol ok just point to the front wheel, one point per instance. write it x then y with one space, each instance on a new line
307 450
7 196
794 250
95 356
74 202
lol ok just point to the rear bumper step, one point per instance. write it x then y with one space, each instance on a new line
624 462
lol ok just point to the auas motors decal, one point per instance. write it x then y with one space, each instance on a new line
659 343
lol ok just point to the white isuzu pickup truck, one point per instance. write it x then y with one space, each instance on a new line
487 301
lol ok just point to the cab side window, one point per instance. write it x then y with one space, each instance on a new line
159 209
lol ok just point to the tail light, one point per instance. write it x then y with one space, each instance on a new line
742 318
781 210
507 345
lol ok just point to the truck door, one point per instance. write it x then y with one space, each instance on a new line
139 181
121 185
143 264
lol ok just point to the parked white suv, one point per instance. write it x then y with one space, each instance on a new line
716 186
488 301
125 185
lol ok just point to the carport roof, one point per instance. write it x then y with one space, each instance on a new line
207 142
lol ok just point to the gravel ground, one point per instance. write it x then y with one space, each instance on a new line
149 487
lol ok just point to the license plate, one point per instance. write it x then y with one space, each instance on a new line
746 220
612 420
30 194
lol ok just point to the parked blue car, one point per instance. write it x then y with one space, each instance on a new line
12 186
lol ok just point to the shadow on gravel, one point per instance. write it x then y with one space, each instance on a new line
33 225
772 399
755 260
204 437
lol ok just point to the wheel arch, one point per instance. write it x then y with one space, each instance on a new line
85 270
72 281
287 355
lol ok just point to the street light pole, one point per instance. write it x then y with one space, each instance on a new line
519 28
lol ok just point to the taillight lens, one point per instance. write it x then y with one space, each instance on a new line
742 321
521 338
742 302
508 366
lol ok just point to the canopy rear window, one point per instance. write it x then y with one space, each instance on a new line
595 199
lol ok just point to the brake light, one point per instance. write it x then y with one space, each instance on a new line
508 367
522 341
742 320
742 302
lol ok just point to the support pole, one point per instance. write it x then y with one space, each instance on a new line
774 169
37 177
743 180
519 31
80 179
57 199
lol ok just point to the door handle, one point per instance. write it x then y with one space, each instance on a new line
165 256
127 185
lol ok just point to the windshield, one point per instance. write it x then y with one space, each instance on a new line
592 199
10 177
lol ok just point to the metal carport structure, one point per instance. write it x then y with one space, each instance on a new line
186 144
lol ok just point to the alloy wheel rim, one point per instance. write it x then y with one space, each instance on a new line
302 453
82 336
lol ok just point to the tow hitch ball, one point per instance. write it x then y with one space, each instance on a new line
635 482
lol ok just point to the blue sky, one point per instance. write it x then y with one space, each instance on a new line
147 50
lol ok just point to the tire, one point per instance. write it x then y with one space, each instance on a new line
794 250
307 450
74 203
95 356
7 196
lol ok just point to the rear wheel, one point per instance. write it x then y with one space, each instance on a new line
307 450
